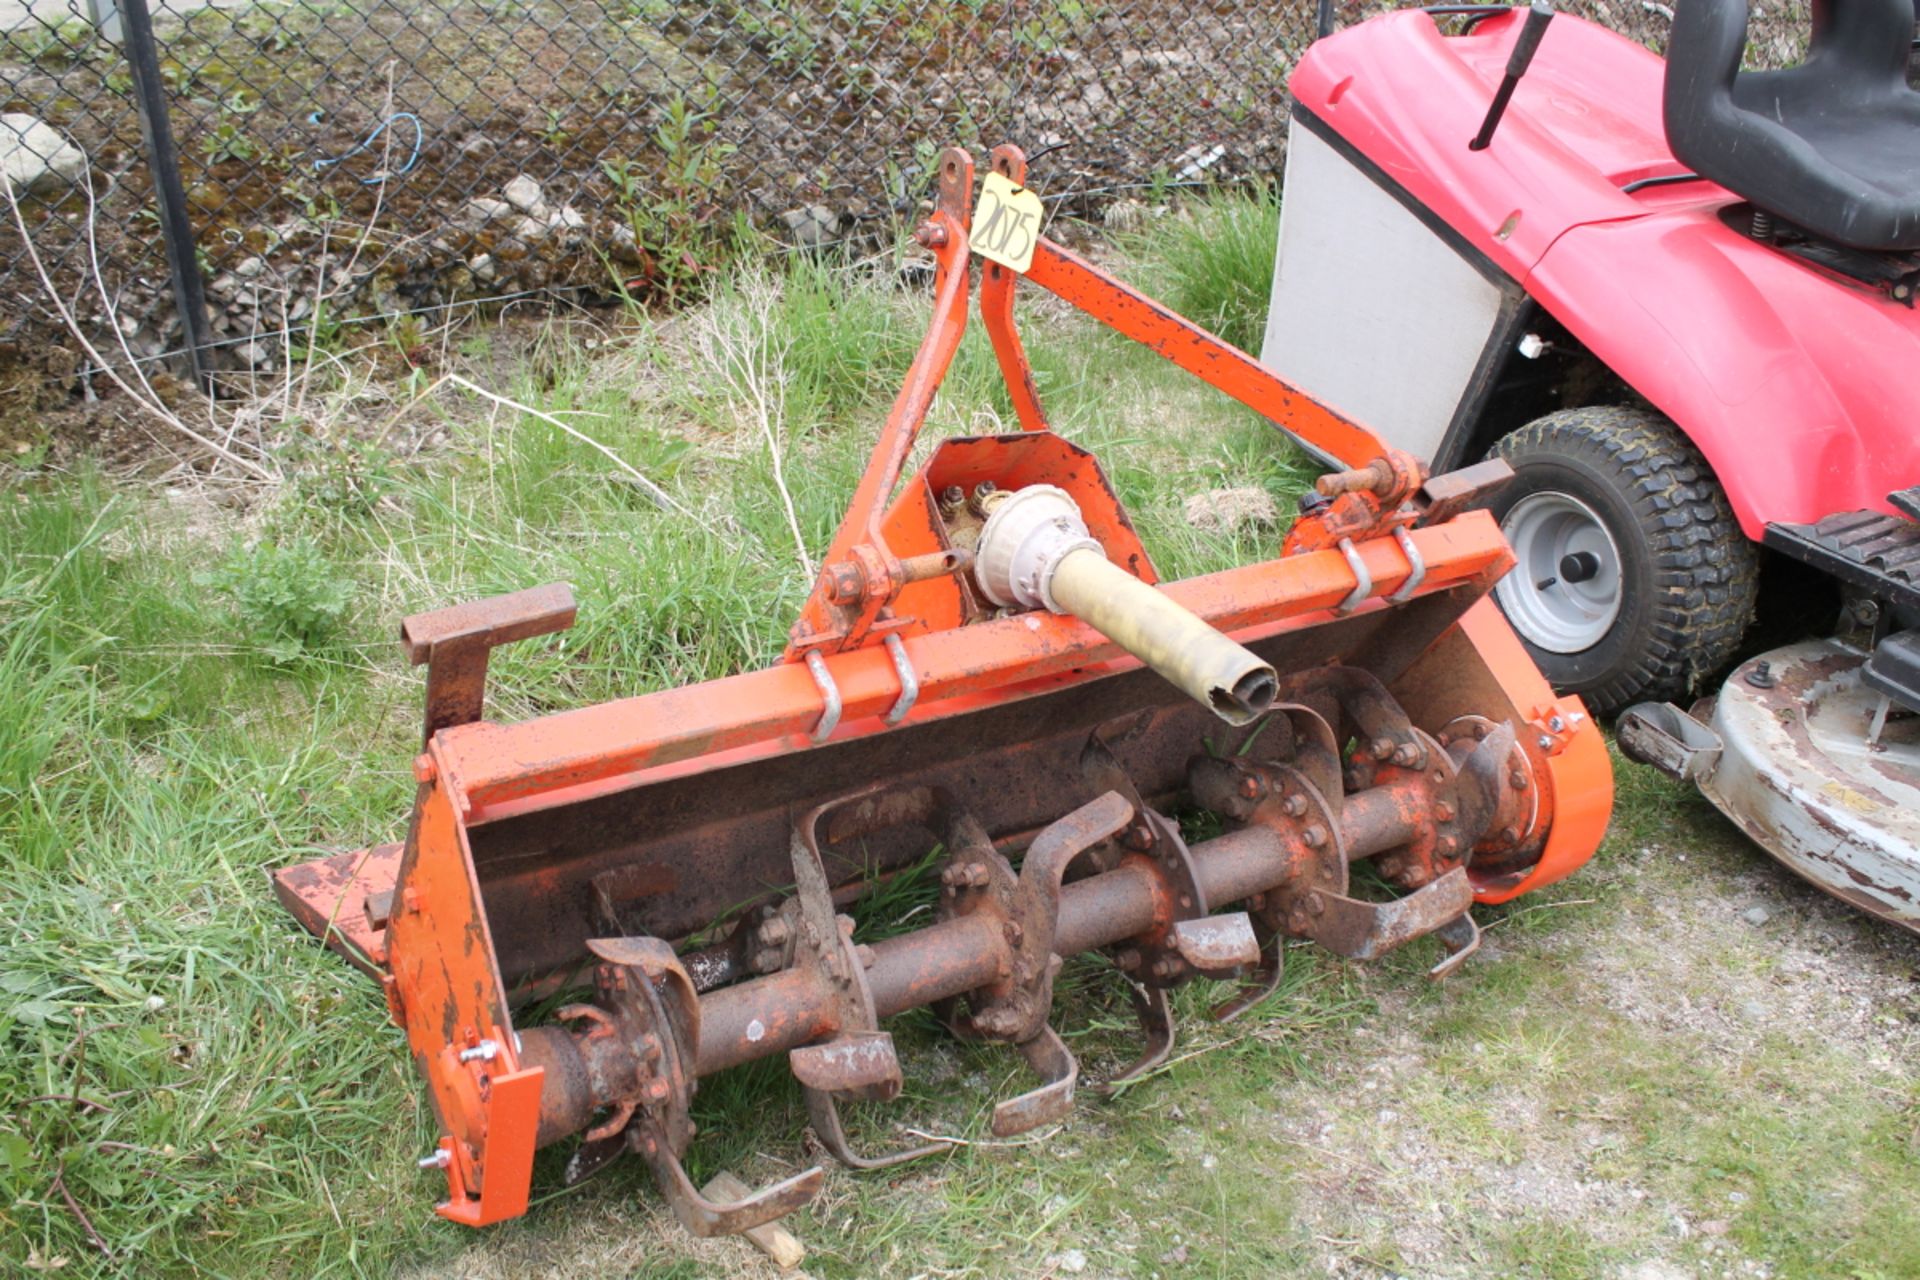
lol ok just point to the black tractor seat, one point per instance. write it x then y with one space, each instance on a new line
1831 146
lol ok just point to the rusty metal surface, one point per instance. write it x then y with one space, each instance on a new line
1796 774
708 846
455 644
329 897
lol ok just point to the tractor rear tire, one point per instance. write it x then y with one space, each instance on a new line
1635 580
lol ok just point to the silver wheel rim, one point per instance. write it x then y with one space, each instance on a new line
1556 540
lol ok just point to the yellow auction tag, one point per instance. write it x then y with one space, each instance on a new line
1006 222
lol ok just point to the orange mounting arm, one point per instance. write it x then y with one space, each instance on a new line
996 312
1208 358
861 576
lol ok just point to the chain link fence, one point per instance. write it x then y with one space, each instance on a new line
340 157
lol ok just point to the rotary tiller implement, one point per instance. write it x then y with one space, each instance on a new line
989 674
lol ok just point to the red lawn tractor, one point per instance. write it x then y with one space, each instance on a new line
1678 297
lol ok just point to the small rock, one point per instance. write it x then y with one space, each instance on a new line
475 143
1228 510
1175 1256
1753 1011
257 354
524 194
1072 1262
37 157
248 268
812 226
482 267
484 209
1756 916
569 217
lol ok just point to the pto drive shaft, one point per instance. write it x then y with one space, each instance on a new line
1035 551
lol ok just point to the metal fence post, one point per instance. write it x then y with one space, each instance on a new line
1323 21
170 197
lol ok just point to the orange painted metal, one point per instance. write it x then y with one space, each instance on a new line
452 1003
996 312
1578 785
1192 348
868 613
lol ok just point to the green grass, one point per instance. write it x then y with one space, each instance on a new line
1213 261
244 1107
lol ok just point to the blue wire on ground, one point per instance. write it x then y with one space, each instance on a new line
419 136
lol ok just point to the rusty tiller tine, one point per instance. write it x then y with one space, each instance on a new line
704 1217
859 1062
1156 1021
1368 930
1054 1063
1265 979
825 1118
1461 937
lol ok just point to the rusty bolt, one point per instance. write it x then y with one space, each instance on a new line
1446 739
1355 778
1165 967
984 488
774 932
1258 902
952 874
1186 902
1517 779
930 235
1297 919
1253 786
846 925
1012 932
1294 805
423 770
1382 748
952 496
1416 876
1392 864
649 1049
1546 743
843 583
656 1090
1128 959
1510 835
1449 846
864 954
767 961
977 874
1315 836
1443 811
1407 754
1138 837
1556 724
1316 905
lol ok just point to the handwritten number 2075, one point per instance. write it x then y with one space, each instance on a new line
1005 231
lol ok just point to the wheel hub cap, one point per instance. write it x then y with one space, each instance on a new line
1564 592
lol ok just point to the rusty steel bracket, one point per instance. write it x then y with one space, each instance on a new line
858 1061
1191 942
1014 1010
646 998
1287 779
1445 496
456 642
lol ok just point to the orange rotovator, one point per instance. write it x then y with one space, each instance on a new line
989 671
